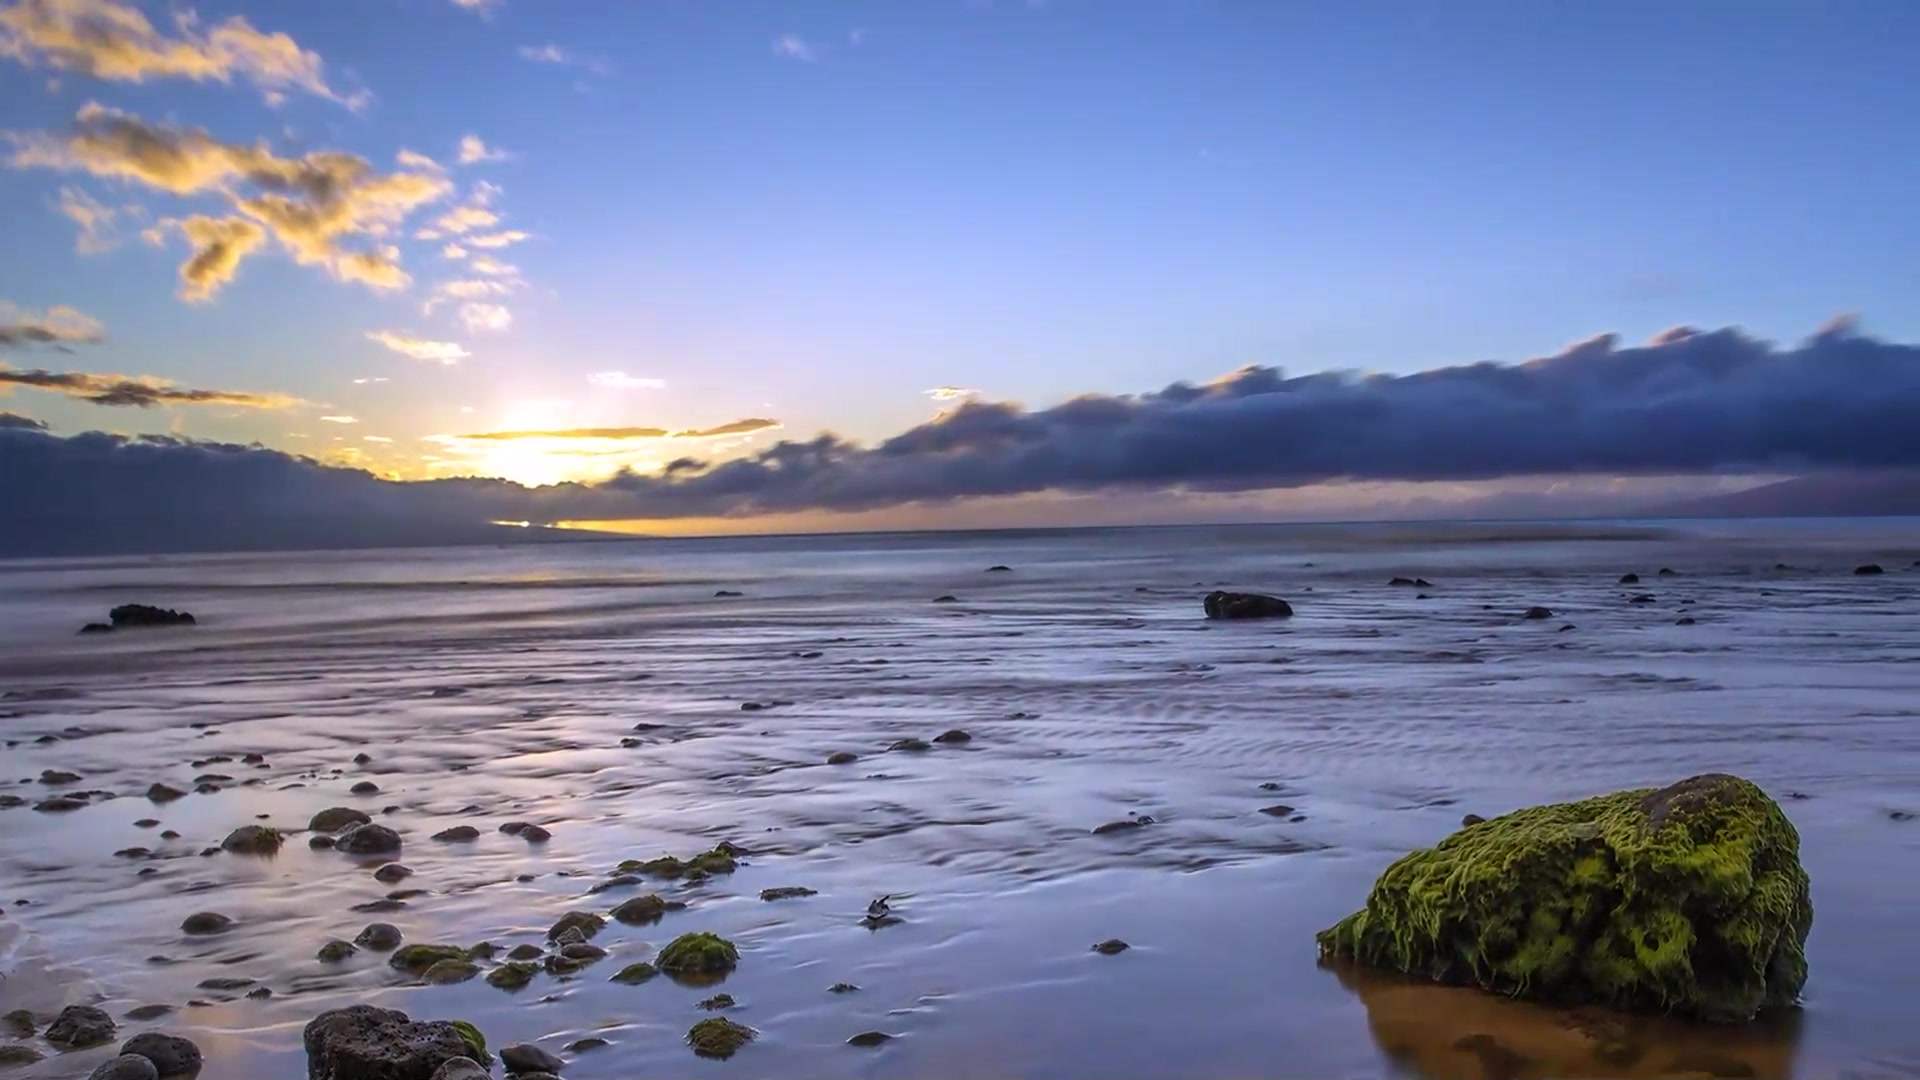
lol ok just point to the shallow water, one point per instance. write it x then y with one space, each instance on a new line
497 684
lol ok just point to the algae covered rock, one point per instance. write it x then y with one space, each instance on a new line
1687 899
718 1037
699 953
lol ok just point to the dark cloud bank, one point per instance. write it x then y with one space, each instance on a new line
1688 402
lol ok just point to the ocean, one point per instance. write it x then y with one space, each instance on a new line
606 691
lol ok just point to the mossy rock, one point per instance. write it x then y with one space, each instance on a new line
513 975
642 910
1687 899
635 974
698 954
448 972
666 866
416 959
718 1037
587 922
476 1042
717 861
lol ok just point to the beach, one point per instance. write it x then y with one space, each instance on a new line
609 693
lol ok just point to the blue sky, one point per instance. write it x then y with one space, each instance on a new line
816 212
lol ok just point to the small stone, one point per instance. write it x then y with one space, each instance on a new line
513 828
60 804
460 1069
368 840
1471 820
260 993
207 922
80 1026
459 834
417 959
581 1046
952 736
19 1023
143 1013
581 952
13 1056
842 988
911 745
787 892
1684 620
391 873
1111 947
335 951
448 972
999 569
335 818
534 834
1868 570
946 599
526 1058
1123 825
362 759
364 787
1629 579
252 840
380 937
56 776
699 953
1278 810
169 835
125 1067
320 842
1538 613
525 952
842 757
718 1037
717 1002
226 982
868 1039
586 922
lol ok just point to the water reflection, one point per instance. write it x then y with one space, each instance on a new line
1456 1033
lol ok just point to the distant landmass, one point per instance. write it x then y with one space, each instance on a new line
1890 494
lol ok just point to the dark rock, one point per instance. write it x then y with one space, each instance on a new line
335 818
581 1046
320 842
13 1056
460 1069
718 1037
515 974
1643 598
1868 570
417 959
867 1039
392 873
1471 820
953 736
207 922
169 835
843 988
335 951
226 983
146 823
368 840
380 937
364 787
999 569
1900 815
514 828
524 951
947 599
20 1024
911 745
379 907
1538 613
787 892
1684 620
1227 605
635 974
96 628
526 1058
717 1002
1123 825
459 834
60 804
362 1042
56 776
143 1013
645 909
1277 810
143 615
1667 572
1111 947
842 757
252 840
586 922
1629 579
726 594
534 834
698 953
449 972
125 1067
80 1026
260 993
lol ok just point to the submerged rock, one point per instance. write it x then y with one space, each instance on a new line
161 793
1111 947
392 873
586 923
13 1055
645 909
514 974
635 974
80 1026
1868 570
125 1067
699 953
1230 605
911 745
459 834
1629 579
842 757
368 840
868 1039
1538 613
460 1069
1687 899
448 972
20 1024
335 951
718 1037
786 892
206 922
361 1042
527 1058
953 736
171 1055
417 959
333 819
380 937
252 840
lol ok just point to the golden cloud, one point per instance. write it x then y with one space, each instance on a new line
218 246
737 427
445 352
59 325
142 392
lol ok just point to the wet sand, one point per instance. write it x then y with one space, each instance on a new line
493 686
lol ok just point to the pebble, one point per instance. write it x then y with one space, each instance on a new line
207 922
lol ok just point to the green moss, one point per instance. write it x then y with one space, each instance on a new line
416 959
645 909
1687 899
718 1037
448 972
475 1041
513 975
635 974
587 922
699 953
716 861
718 1002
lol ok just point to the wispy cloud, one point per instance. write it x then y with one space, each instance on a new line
444 352
482 8
486 264
466 218
952 393
372 379
59 326
794 47
499 239
411 159
620 380
341 419
310 204
138 392
453 251
478 318
114 41
474 150
554 54
94 218
621 434
375 439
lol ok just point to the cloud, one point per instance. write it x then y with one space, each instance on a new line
340 419
474 150
496 240
453 251
620 380
483 8
309 204
794 47
219 244
952 393
478 317
94 218
16 422
462 219
375 439
554 54
445 352
737 427
409 159
59 325
142 392
486 264
114 41
372 379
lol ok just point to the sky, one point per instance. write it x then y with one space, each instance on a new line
549 241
